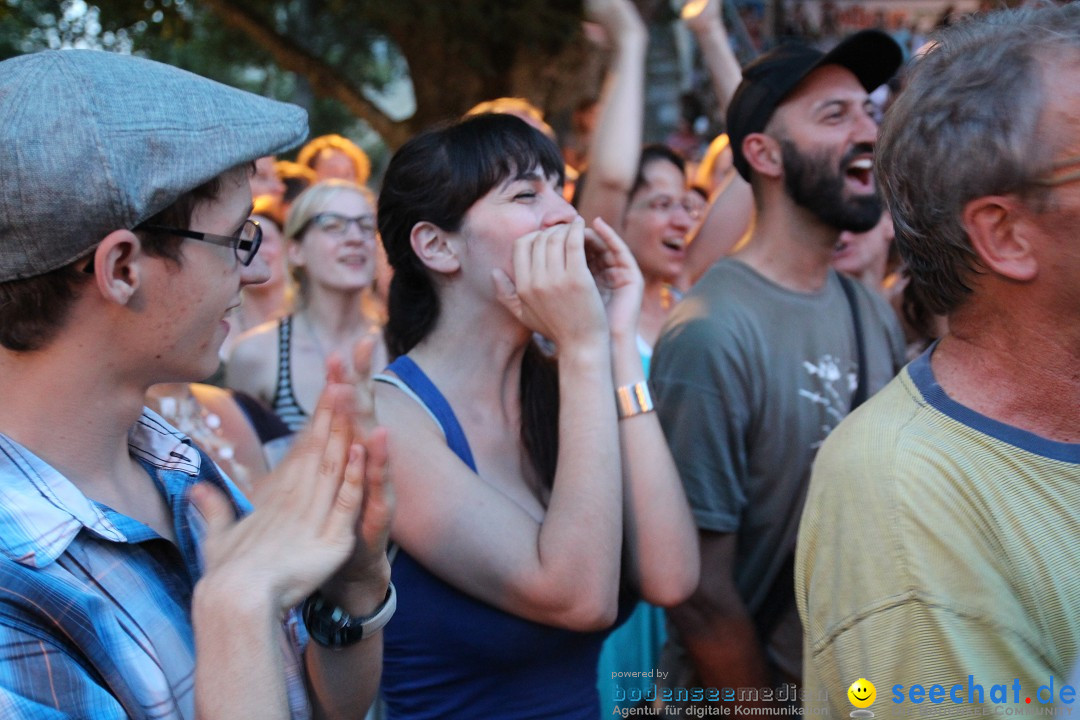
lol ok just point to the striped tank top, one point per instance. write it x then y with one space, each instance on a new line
284 403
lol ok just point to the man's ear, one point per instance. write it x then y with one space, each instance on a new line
433 246
118 270
762 153
1000 230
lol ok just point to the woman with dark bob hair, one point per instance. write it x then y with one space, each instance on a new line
532 484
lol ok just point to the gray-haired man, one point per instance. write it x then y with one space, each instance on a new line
938 554
128 586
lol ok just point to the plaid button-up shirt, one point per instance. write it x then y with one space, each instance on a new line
95 607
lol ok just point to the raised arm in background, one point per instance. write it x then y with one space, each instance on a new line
731 206
616 142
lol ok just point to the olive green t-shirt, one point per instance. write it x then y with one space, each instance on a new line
749 379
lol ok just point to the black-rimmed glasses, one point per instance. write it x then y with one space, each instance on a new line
245 243
337 224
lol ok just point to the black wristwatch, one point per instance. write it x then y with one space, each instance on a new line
332 627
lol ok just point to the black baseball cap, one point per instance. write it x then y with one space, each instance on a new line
871 55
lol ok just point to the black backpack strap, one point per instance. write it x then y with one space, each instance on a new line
860 342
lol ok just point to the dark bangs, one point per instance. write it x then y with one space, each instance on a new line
486 150
655 152
439 174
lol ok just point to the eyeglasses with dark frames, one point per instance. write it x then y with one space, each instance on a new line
245 243
337 224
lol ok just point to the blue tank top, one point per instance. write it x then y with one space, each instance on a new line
449 655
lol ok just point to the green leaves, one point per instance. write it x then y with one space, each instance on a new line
454 53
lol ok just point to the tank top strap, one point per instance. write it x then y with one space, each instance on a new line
284 343
284 403
426 392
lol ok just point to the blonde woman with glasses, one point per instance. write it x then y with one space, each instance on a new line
331 240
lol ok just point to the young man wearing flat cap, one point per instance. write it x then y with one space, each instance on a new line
135 580
768 352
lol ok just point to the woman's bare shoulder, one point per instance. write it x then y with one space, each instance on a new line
252 364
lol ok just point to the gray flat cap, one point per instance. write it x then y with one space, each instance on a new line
92 142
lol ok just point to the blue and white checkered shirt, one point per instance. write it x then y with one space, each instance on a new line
95 607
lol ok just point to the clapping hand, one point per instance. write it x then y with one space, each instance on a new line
304 526
373 525
322 518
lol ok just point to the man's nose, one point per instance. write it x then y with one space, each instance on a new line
866 127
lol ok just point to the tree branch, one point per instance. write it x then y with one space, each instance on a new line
324 79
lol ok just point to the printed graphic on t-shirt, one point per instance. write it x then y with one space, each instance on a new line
823 378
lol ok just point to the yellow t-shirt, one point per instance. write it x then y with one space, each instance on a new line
939 547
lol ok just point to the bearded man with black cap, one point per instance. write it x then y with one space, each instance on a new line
135 579
767 353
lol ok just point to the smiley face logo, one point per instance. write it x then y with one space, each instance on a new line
862 693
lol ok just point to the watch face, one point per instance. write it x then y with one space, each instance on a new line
330 626
327 624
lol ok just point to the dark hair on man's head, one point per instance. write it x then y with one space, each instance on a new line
655 152
34 310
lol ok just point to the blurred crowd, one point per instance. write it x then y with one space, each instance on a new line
542 426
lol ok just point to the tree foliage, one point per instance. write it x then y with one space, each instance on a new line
456 52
